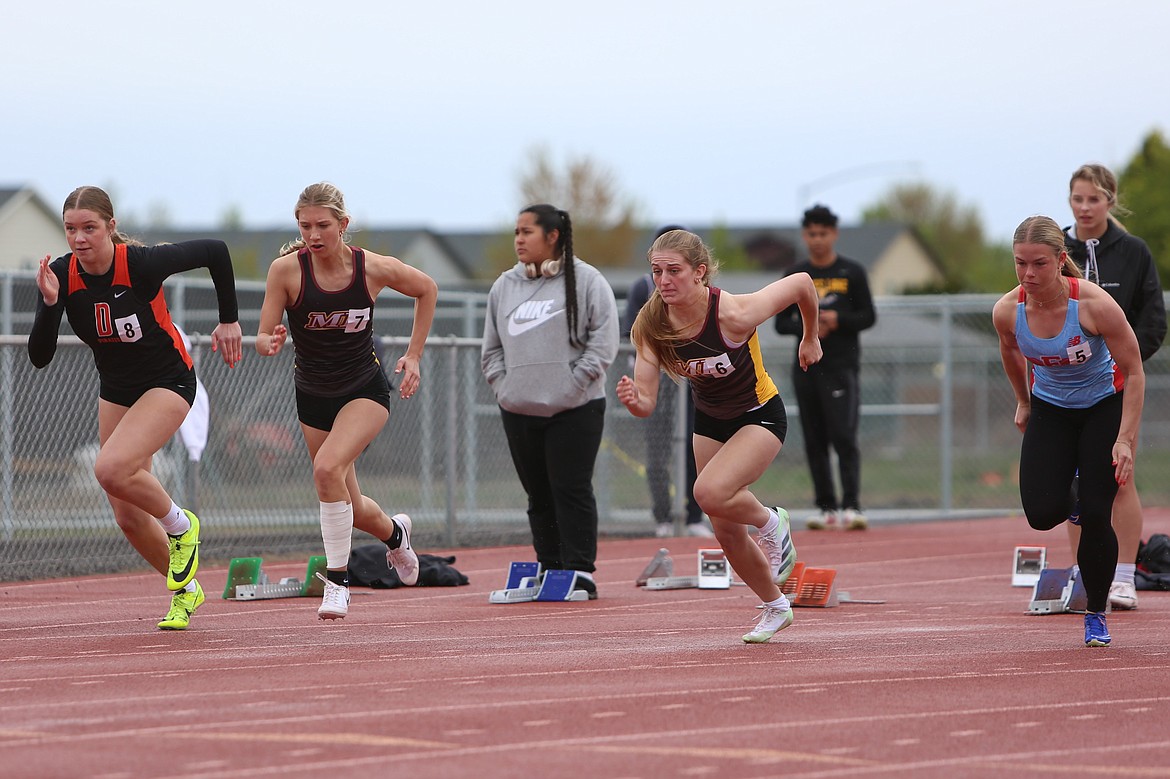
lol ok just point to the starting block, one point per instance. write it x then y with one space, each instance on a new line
1056 592
525 585
714 572
658 575
817 587
660 565
1030 561
247 580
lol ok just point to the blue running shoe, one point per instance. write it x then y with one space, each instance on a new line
1096 634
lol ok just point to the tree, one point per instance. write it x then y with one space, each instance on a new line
953 232
604 231
1144 193
232 218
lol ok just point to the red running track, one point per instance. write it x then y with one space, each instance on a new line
949 678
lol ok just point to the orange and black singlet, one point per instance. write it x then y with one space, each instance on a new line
122 314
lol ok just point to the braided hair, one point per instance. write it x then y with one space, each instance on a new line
550 218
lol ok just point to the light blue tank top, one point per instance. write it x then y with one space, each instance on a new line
1072 369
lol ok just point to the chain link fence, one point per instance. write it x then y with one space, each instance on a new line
936 435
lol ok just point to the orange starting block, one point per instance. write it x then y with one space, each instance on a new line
816 587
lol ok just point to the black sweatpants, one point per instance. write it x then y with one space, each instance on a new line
1057 443
554 458
830 412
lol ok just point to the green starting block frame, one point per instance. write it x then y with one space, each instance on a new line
247 580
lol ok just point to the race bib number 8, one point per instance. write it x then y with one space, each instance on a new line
128 328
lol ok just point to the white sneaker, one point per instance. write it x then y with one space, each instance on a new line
699 530
779 549
403 559
664 530
335 604
772 621
1122 595
853 519
826 520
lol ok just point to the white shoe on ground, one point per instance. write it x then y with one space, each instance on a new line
664 530
853 519
1123 595
825 520
772 621
335 603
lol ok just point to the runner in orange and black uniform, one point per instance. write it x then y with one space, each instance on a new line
112 295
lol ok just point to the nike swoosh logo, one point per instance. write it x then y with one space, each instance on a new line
183 574
516 328
119 294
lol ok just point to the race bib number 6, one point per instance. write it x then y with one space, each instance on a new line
711 367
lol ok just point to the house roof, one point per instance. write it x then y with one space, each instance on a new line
266 244
11 196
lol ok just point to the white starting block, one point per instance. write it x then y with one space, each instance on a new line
525 584
714 572
1056 592
1030 561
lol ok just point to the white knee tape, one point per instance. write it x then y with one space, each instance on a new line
336 532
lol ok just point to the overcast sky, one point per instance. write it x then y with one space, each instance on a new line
425 113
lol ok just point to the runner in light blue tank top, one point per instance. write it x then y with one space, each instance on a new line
1072 369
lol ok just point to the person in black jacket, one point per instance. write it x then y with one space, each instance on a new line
1123 266
829 393
110 288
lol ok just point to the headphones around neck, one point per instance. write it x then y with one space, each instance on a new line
546 268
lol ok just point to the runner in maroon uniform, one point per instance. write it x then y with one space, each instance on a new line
111 291
343 397
695 331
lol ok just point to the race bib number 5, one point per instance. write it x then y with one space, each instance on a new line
1080 353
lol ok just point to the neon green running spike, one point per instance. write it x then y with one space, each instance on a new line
184 555
183 605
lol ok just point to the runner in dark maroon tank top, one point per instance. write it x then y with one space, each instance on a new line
343 398
695 331
111 292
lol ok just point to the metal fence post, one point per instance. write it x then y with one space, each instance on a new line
946 421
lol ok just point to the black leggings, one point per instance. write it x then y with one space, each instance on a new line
1057 443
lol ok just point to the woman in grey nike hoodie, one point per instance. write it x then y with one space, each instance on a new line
550 334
